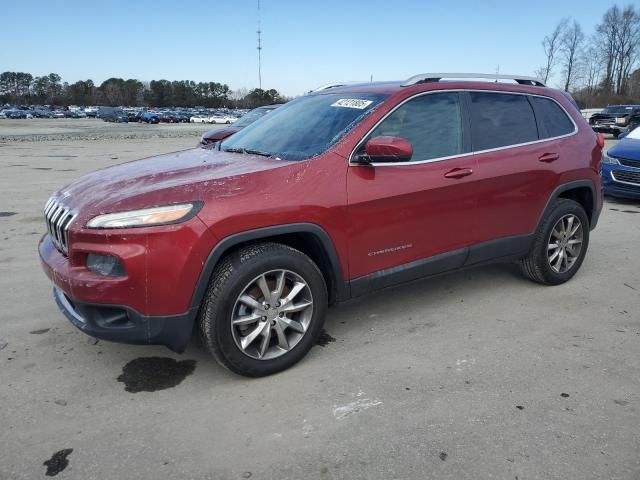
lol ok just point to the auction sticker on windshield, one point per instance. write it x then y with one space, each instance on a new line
352 103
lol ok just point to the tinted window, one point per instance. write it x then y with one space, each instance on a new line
432 123
552 117
499 119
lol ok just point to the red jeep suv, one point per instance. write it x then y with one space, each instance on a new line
334 195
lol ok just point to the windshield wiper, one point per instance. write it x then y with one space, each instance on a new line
248 150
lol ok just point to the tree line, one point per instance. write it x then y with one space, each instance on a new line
599 68
25 89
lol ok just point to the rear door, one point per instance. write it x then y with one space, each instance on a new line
517 159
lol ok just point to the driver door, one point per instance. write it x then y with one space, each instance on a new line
413 218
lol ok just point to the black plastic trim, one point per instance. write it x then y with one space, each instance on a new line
500 249
595 194
409 271
342 287
173 331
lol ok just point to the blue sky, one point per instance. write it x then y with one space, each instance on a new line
306 43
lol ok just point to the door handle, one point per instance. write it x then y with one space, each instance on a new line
548 157
458 173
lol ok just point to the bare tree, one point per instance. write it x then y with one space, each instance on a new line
628 39
570 51
551 45
591 68
607 41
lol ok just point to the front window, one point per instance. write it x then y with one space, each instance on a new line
305 127
431 123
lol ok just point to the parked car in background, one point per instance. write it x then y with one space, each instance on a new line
182 117
247 119
587 113
150 117
199 119
224 119
338 194
621 167
113 114
614 119
634 121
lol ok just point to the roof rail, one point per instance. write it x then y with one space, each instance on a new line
328 86
436 77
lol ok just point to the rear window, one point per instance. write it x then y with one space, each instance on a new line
499 120
553 119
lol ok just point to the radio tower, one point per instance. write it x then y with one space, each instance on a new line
259 32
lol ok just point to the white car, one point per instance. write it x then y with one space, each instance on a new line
199 119
221 119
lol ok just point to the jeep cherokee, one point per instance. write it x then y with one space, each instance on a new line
334 195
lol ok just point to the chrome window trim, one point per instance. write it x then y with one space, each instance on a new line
622 181
460 155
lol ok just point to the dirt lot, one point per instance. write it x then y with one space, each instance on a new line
476 375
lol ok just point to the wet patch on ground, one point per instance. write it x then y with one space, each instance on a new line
40 331
58 462
8 214
42 168
324 339
630 211
150 374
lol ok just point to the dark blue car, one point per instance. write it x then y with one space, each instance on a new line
621 167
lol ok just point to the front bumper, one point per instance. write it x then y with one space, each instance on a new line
124 325
609 128
613 185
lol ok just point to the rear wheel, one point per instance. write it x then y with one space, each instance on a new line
560 244
264 309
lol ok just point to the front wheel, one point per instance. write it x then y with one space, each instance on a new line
560 244
264 309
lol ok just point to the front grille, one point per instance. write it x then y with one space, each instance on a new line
58 218
629 163
625 176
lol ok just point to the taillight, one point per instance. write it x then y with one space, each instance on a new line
600 140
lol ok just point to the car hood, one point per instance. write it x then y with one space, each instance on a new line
220 133
195 174
628 148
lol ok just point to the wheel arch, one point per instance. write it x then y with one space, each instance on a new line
309 238
581 191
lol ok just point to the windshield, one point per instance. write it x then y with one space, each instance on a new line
618 109
305 127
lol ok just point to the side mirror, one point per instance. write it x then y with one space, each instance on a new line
388 149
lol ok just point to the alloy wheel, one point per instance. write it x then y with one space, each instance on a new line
272 314
565 243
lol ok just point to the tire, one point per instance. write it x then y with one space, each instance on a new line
540 265
615 134
236 276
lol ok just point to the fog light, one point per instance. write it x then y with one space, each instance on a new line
106 265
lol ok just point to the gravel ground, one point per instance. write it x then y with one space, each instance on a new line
475 375
74 129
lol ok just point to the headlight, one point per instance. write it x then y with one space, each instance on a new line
621 120
146 217
610 160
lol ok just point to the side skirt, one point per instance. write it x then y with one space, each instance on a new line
503 249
